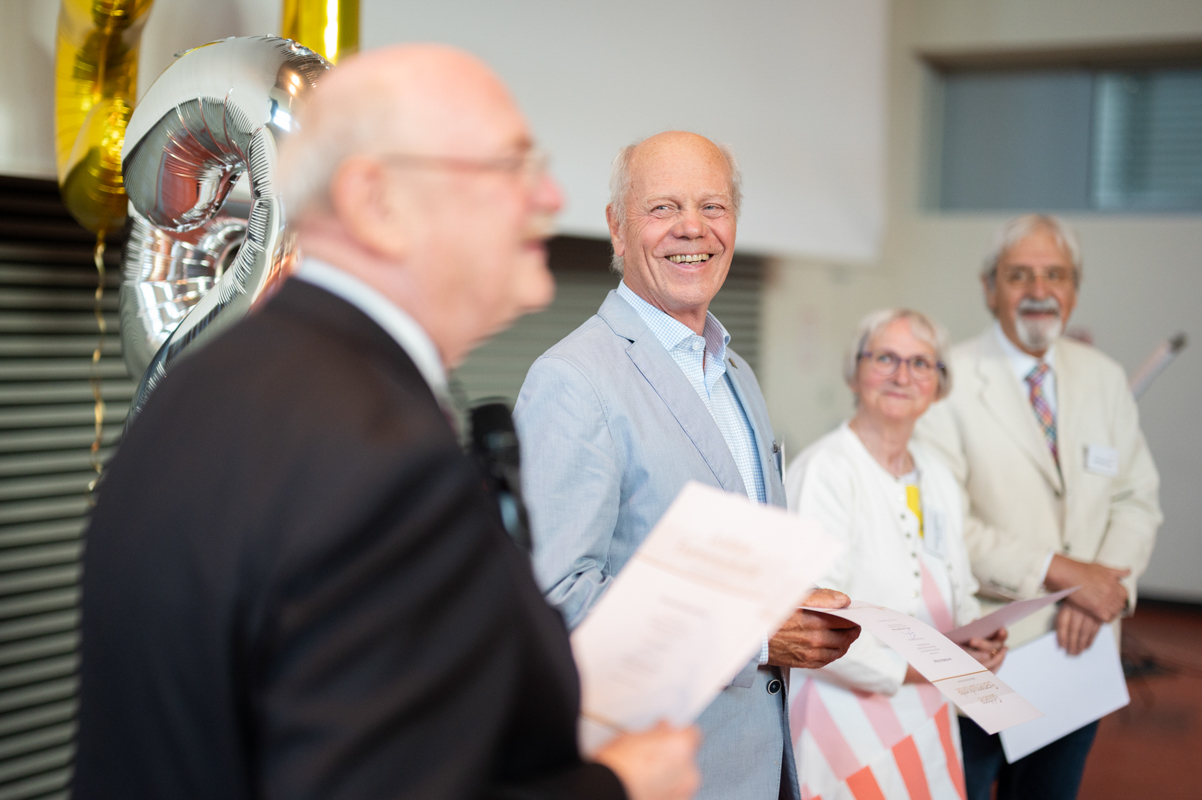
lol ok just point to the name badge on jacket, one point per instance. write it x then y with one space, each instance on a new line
934 536
1101 460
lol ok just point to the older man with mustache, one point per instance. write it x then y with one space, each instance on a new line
1043 435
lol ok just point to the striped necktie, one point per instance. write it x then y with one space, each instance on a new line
1043 411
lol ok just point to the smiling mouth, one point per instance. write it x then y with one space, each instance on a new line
689 259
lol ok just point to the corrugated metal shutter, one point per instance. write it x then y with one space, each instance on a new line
582 277
48 332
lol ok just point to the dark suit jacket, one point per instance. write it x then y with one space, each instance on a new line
295 586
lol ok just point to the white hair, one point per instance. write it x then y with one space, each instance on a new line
1020 228
619 186
925 329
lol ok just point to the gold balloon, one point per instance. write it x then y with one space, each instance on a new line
96 79
327 27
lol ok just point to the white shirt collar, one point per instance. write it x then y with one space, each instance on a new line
671 332
400 326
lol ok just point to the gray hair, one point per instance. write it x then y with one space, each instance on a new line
1020 228
925 329
619 186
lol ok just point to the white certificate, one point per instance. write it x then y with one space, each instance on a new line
1072 690
690 610
1005 616
975 690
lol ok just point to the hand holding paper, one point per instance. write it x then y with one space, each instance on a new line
1076 629
809 640
1101 594
975 690
989 652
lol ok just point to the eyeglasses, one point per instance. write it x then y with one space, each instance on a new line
1026 276
886 363
531 165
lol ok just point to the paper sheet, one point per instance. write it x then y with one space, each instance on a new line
1005 616
690 610
978 692
1072 690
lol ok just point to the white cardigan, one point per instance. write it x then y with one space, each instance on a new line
837 482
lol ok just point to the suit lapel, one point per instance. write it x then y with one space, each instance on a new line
1004 397
673 388
762 428
1070 446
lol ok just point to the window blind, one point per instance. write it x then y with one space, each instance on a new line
1148 149
48 332
582 280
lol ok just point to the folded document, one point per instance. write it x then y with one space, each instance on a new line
975 690
690 609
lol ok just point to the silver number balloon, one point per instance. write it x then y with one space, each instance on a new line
195 263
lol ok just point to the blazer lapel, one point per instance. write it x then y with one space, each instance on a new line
1069 444
757 413
1002 395
666 378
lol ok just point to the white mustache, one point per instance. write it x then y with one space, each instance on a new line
1048 304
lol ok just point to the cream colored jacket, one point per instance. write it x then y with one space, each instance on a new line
1019 505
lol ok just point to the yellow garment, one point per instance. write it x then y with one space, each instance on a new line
914 503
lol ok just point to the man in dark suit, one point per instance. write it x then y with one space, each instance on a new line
295 585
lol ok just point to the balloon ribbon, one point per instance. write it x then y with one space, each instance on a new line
94 376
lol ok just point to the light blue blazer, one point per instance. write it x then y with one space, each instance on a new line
611 430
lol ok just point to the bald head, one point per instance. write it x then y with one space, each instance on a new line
428 99
672 222
413 171
621 170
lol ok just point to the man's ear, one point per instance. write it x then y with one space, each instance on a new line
364 204
990 286
615 231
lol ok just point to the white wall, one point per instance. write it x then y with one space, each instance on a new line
27 38
27 88
1143 273
796 87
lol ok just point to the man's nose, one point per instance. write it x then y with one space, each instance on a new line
548 197
689 225
1039 286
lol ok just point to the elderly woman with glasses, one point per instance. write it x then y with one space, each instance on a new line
868 725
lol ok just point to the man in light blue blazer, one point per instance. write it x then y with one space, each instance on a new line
644 397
